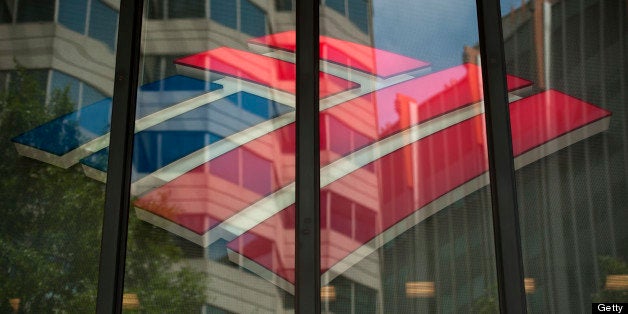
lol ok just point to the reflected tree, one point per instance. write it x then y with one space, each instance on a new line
51 225
612 290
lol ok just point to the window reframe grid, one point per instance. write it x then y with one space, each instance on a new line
307 182
117 191
506 232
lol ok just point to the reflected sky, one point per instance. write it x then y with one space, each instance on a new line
419 33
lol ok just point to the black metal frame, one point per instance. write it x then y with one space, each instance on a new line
307 287
307 182
501 167
118 192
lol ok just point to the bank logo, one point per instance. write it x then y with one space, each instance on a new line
214 147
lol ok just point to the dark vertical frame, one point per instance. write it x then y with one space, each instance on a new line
117 192
307 231
502 174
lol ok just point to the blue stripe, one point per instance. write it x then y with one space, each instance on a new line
180 136
72 130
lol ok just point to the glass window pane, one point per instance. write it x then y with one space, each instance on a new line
155 10
6 14
218 139
338 5
103 23
90 95
225 12
406 221
60 81
283 5
186 9
35 10
255 22
358 14
72 14
572 202
52 210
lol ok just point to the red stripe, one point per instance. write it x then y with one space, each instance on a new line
259 69
532 124
360 57
515 82
382 197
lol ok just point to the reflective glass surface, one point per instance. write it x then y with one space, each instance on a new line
405 212
72 14
214 137
186 9
35 10
6 14
572 201
54 110
103 23
405 208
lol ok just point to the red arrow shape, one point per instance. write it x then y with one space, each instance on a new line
201 199
367 207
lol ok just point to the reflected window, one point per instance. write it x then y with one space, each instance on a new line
225 12
103 23
338 5
79 93
283 5
253 19
6 16
60 81
155 9
256 178
240 15
72 14
90 95
358 14
356 10
35 10
186 9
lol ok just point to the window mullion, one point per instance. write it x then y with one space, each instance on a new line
307 231
117 192
501 167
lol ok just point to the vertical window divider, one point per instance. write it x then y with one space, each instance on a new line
501 167
117 191
307 229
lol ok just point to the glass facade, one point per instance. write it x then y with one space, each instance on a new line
407 214
54 108
572 202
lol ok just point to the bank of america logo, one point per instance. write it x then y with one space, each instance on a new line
214 147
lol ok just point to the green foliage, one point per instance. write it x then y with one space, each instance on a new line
51 225
487 303
155 272
611 266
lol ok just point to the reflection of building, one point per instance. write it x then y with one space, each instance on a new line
72 43
449 253
570 203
